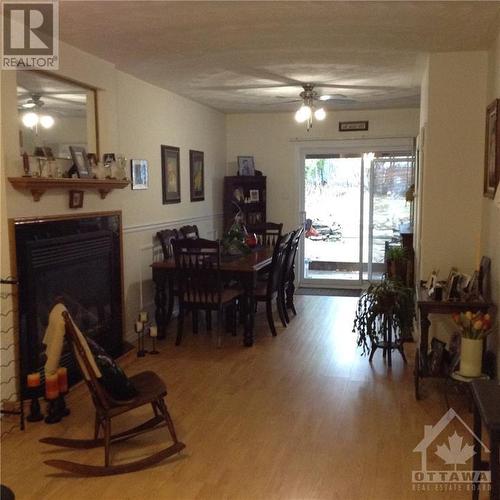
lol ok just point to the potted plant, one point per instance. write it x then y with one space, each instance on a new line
396 263
381 305
473 329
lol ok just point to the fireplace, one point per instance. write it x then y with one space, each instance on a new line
77 259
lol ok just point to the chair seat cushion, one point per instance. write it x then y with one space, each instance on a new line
113 378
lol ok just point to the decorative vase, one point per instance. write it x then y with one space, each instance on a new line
471 356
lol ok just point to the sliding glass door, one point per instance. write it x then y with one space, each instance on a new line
353 204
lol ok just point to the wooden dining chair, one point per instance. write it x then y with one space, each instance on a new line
151 390
197 264
286 289
165 237
267 233
189 232
267 291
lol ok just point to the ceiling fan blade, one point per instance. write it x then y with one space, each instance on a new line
356 87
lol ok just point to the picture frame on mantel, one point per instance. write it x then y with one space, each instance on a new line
197 175
139 171
170 174
492 149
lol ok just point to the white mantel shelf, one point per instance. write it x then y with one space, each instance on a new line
38 185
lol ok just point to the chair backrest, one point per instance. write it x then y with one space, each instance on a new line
292 252
100 397
197 264
267 233
166 236
189 232
278 261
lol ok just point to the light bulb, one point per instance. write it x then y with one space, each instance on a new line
46 121
320 114
303 114
30 119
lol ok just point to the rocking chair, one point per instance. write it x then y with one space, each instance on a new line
151 390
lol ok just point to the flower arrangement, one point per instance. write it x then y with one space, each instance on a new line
473 325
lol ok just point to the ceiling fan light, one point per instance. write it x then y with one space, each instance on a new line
303 114
28 105
320 114
47 121
30 119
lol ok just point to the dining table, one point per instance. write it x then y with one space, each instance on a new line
244 269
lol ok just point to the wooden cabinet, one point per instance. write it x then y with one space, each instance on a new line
245 193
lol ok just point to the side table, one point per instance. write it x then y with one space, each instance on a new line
486 394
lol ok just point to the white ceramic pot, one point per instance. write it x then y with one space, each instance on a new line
471 355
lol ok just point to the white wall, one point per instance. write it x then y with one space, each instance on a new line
272 138
453 169
135 118
490 238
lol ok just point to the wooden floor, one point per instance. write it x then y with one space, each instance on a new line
299 416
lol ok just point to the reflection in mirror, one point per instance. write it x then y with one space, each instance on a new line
54 114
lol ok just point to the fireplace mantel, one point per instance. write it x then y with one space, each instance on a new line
38 185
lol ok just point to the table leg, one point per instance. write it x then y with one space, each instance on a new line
250 311
494 468
170 303
476 461
424 341
159 279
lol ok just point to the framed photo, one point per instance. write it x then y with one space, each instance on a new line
197 175
80 160
108 159
492 149
353 126
246 165
75 199
170 174
139 172
254 195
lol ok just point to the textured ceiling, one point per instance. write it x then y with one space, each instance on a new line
252 56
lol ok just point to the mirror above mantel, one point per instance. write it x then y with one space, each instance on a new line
55 113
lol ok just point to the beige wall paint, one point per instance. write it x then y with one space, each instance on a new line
491 214
272 138
453 171
135 118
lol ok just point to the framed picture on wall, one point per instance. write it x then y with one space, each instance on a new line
139 172
492 149
170 174
75 199
197 175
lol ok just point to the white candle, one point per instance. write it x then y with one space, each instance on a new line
138 326
143 316
153 331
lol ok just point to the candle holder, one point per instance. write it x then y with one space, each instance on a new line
35 414
53 414
153 333
139 329
62 409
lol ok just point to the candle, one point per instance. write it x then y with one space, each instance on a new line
52 386
153 331
33 379
138 326
62 379
143 316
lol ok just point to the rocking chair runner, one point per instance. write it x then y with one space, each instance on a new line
151 389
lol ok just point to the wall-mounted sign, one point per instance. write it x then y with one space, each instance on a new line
353 126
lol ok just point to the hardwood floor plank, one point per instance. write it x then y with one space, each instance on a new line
299 416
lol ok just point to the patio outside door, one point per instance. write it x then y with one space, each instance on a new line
353 203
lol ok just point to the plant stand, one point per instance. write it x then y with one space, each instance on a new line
388 343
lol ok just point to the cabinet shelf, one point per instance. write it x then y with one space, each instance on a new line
38 185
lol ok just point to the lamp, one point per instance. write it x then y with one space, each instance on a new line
32 119
307 111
